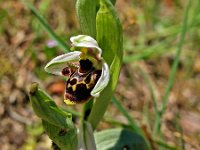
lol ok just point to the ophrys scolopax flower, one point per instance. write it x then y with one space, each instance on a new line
86 70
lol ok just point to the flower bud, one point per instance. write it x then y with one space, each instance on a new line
109 31
86 13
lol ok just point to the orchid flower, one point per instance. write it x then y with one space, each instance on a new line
86 71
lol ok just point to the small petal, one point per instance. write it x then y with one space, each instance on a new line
86 41
68 102
102 82
56 65
51 43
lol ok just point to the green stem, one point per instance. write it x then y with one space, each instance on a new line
87 109
100 107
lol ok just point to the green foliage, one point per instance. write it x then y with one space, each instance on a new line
86 137
65 138
105 26
57 123
118 139
131 121
86 13
126 114
43 105
109 37
173 70
109 32
3 14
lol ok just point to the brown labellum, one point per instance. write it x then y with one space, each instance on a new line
81 82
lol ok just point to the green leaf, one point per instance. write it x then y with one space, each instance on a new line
131 121
56 122
119 139
64 138
86 13
109 37
46 109
85 137
109 31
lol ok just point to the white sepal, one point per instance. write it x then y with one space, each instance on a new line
56 65
87 42
103 80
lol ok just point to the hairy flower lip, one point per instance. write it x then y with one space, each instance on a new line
89 49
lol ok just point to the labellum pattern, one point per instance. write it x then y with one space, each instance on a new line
81 82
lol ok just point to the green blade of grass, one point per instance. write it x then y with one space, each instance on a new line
146 52
114 122
126 114
173 70
46 26
180 130
130 120
151 90
164 144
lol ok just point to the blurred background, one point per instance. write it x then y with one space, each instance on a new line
151 35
